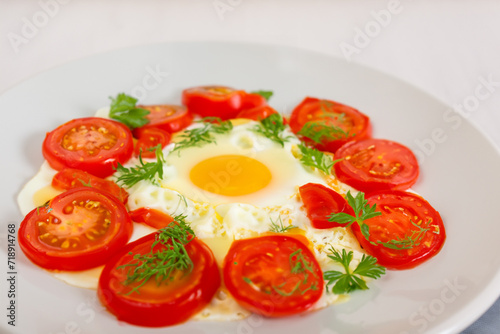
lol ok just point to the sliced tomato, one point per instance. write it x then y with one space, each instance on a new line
170 118
331 124
148 139
152 217
320 202
273 275
95 145
252 100
70 178
213 101
158 303
257 113
78 229
409 231
376 164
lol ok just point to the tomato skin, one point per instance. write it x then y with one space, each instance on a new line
151 217
213 101
376 164
355 123
70 178
252 267
76 132
167 117
320 202
93 254
257 113
252 100
397 208
164 305
150 138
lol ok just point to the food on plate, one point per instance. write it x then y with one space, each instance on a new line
230 207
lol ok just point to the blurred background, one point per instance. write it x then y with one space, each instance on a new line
449 49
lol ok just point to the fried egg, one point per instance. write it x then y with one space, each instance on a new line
233 188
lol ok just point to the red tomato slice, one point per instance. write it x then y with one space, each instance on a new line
401 213
70 178
78 229
95 145
376 164
257 114
320 202
148 139
273 275
213 101
152 217
170 118
252 100
324 113
156 303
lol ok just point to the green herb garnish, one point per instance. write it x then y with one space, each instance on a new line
198 137
162 265
123 109
318 132
362 211
298 265
315 158
272 127
351 280
264 93
277 226
145 171
409 241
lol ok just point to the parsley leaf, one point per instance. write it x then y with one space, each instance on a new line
272 127
145 171
277 226
123 109
315 158
165 263
198 137
318 132
362 211
264 93
351 280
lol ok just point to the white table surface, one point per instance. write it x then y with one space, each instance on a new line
446 48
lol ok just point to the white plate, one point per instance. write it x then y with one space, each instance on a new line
459 177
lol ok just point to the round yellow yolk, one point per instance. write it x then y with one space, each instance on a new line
230 175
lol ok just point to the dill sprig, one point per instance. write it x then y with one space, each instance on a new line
272 127
319 131
315 158
198 137
164 264
144 171
348 281
408 241
278 227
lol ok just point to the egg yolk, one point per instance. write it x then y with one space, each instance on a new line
230 175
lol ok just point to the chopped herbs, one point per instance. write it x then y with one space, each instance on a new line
162 265
348 281
314 158
409 241
145 171
123 109
198 137
318 132
272 127
264 93
277 226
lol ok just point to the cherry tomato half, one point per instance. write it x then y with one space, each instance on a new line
70 178
409 231
151 217
273 275
95 145
148 139
257 114
252 100
320 202
376 164
321 114
78 229
156 304
170 118
215 101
